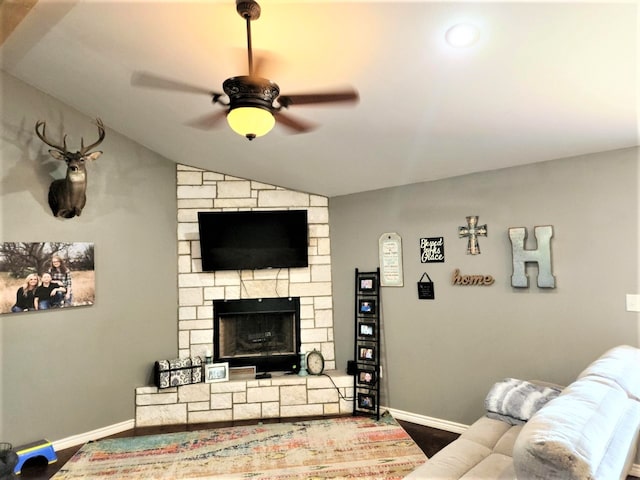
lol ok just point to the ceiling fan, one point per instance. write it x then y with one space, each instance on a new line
252 104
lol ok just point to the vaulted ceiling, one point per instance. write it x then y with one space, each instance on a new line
543 81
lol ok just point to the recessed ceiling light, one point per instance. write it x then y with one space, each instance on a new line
462 35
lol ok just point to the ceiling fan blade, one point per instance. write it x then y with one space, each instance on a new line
348 95
150 80
292 123
209 121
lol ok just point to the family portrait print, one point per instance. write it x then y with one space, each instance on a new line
46 275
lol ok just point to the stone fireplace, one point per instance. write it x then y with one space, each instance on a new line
198 291
262 332
202 191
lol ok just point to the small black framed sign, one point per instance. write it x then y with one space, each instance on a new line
432 249
425 288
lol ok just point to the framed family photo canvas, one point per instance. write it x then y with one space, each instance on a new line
39 276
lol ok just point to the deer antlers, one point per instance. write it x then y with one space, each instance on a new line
63 148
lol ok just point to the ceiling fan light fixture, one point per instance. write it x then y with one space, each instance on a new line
250 122
254 103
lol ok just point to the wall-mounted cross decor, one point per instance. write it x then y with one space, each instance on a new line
472 231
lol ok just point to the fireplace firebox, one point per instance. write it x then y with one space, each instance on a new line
261 332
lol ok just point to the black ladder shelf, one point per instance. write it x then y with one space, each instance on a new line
366 383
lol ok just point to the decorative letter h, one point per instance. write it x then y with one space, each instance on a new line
542 256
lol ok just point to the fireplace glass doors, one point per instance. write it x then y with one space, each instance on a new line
264 333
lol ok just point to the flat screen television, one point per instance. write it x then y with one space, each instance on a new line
253 239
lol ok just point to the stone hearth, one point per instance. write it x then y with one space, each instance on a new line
277 397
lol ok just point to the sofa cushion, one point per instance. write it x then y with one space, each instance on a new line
504 446
453 461
495 467
481 452
486 431
583 434
620 365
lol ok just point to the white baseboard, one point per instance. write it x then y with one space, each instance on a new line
426 421
83 438
453 427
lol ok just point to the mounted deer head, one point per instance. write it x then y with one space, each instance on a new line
67 196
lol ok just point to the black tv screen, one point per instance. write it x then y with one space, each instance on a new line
253 239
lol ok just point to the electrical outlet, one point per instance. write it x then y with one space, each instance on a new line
633 303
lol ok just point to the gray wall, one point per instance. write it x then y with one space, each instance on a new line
71 371
441 356
68 372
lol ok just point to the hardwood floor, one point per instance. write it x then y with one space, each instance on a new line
430 440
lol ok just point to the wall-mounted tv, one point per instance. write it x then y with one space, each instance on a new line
253 239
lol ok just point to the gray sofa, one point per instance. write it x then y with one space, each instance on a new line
588 432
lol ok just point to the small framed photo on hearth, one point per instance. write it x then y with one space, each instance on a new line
216 372
366 353
367 330
366 377
367 401
367 284
367 306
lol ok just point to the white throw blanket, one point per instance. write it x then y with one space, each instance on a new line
515 401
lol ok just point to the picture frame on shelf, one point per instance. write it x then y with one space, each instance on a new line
367 284
367 306
366 377
367 330
366 353
367 401
216 372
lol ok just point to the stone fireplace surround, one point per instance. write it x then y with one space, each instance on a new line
247 398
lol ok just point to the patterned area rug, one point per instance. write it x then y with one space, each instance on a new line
346 447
